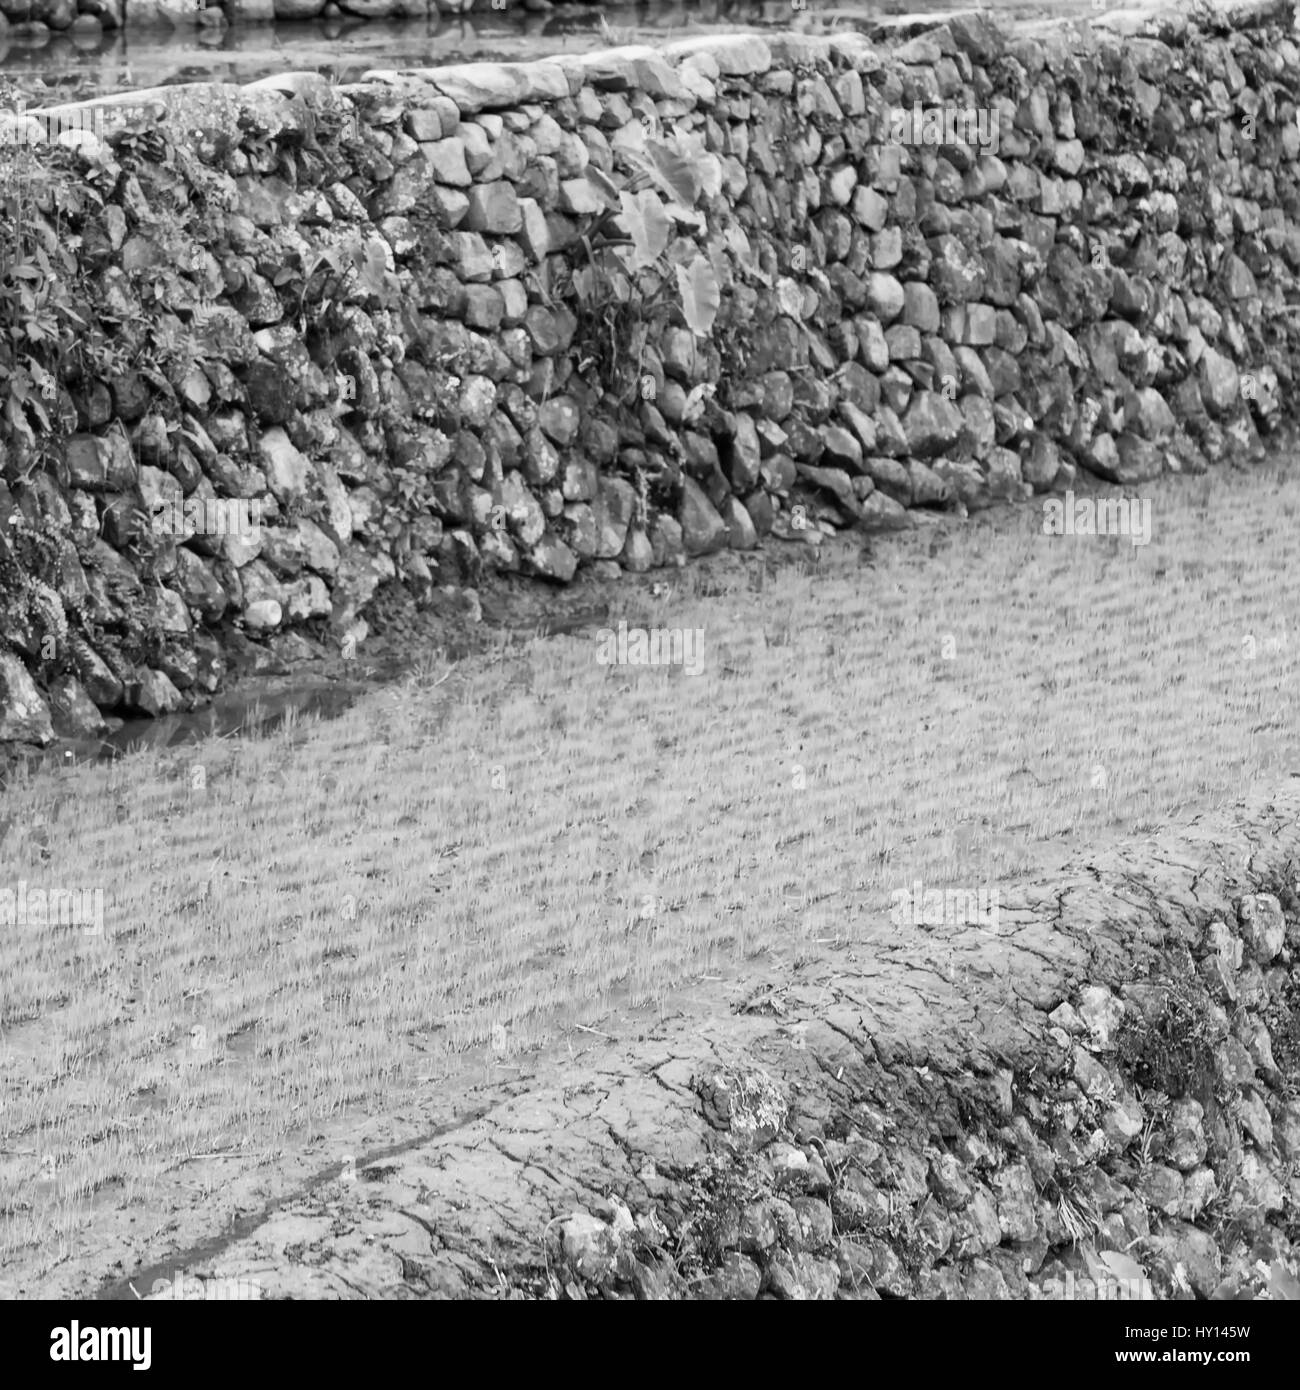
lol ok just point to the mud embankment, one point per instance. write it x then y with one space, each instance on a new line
1094 1097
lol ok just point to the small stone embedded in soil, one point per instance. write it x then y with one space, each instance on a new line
1101 1013
1020 1138
1161 1188
1016 1203
975 1151
1255 1120
999 1090
816 1227
1122 1122
933 1231
857 1267
1094 1079
758 1228
1185 1145
787 1164
1105 1192
857 1202
907 1171
1200 1187
1064 1016
802 1276
977 1228
943 1283
1255 1191
1263 927
1183 1259
985 1282
589 1246
948 1182
737 1277
749 1105
1220 940
1235 1063
656 1281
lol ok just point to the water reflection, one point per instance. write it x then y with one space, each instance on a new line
255 708
76 63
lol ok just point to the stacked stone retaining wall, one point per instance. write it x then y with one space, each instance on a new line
949 270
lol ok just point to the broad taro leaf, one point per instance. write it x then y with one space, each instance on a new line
647 225
701 297
675 175
706 165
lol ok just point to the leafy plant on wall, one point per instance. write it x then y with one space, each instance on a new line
637 276
60 339
42 327
40 322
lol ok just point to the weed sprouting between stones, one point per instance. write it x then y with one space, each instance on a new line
1174 1054
1281 1015
719 1192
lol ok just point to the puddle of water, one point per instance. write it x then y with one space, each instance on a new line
260 705
237 713
250 709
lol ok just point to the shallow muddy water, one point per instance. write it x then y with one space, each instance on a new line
256 705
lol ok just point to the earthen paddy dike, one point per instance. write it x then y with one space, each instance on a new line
904 1047
961 1109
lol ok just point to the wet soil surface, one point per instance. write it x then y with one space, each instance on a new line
454 1193
458 1187
403 635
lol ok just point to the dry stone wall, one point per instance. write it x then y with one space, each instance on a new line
387 321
